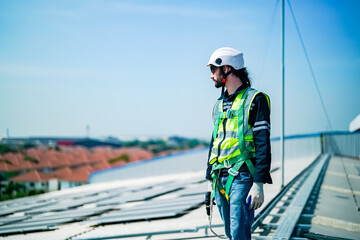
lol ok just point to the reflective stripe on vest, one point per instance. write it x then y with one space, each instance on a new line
248 130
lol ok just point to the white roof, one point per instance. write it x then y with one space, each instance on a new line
355 124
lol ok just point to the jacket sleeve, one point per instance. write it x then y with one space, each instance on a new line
209 167
260 120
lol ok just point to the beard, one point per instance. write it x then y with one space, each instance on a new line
219 83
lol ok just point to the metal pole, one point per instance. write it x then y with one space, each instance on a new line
282 90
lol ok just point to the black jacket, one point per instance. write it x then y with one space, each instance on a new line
260 117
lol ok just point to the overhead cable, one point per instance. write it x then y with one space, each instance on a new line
268 38
311 69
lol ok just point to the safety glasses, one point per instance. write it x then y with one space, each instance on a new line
213 69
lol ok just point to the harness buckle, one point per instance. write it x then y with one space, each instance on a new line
231 171
227 163
229 114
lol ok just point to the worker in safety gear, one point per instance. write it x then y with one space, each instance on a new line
239 156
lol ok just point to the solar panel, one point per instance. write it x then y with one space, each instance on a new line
74 213
19 202
151 209
44 222
55 207
148 216
111 201
12 210
19 227
9 220
63 205
138 196
45 212
141 215
80 194
194 190
25 229
169 202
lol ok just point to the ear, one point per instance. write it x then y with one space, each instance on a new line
226 68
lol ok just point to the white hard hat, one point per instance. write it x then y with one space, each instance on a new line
227 56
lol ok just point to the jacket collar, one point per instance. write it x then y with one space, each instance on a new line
232 97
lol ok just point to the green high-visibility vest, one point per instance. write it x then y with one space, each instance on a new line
233 143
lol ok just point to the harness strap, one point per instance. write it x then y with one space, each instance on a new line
233 172
217 185
216 127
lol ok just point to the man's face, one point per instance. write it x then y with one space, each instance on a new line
216 76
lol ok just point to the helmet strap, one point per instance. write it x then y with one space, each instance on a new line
225 75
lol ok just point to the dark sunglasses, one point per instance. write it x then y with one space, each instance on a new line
213 69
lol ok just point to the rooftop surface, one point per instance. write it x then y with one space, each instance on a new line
131 206
170 206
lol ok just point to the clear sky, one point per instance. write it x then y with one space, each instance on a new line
137 68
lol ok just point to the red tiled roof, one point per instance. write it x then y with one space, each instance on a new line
92 160
118 163
16 160
33 152
134 153
60 173
4 167
33 176
80 174
101 165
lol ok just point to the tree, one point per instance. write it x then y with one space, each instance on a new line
4 148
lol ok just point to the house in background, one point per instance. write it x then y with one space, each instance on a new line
54 163
51 170
37 180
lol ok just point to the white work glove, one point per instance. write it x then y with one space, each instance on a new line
255 197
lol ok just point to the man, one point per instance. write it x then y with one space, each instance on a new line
239 156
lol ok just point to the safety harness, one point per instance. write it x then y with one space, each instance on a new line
233 140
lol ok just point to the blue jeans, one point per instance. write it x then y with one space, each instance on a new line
236 215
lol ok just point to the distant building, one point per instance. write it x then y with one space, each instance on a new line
50 170
35 180
58 180
63 141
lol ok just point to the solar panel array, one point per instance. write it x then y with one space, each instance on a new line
100 207
151 210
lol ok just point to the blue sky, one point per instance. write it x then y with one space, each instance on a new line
137 68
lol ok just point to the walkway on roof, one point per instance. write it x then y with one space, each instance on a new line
320 203
337 212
